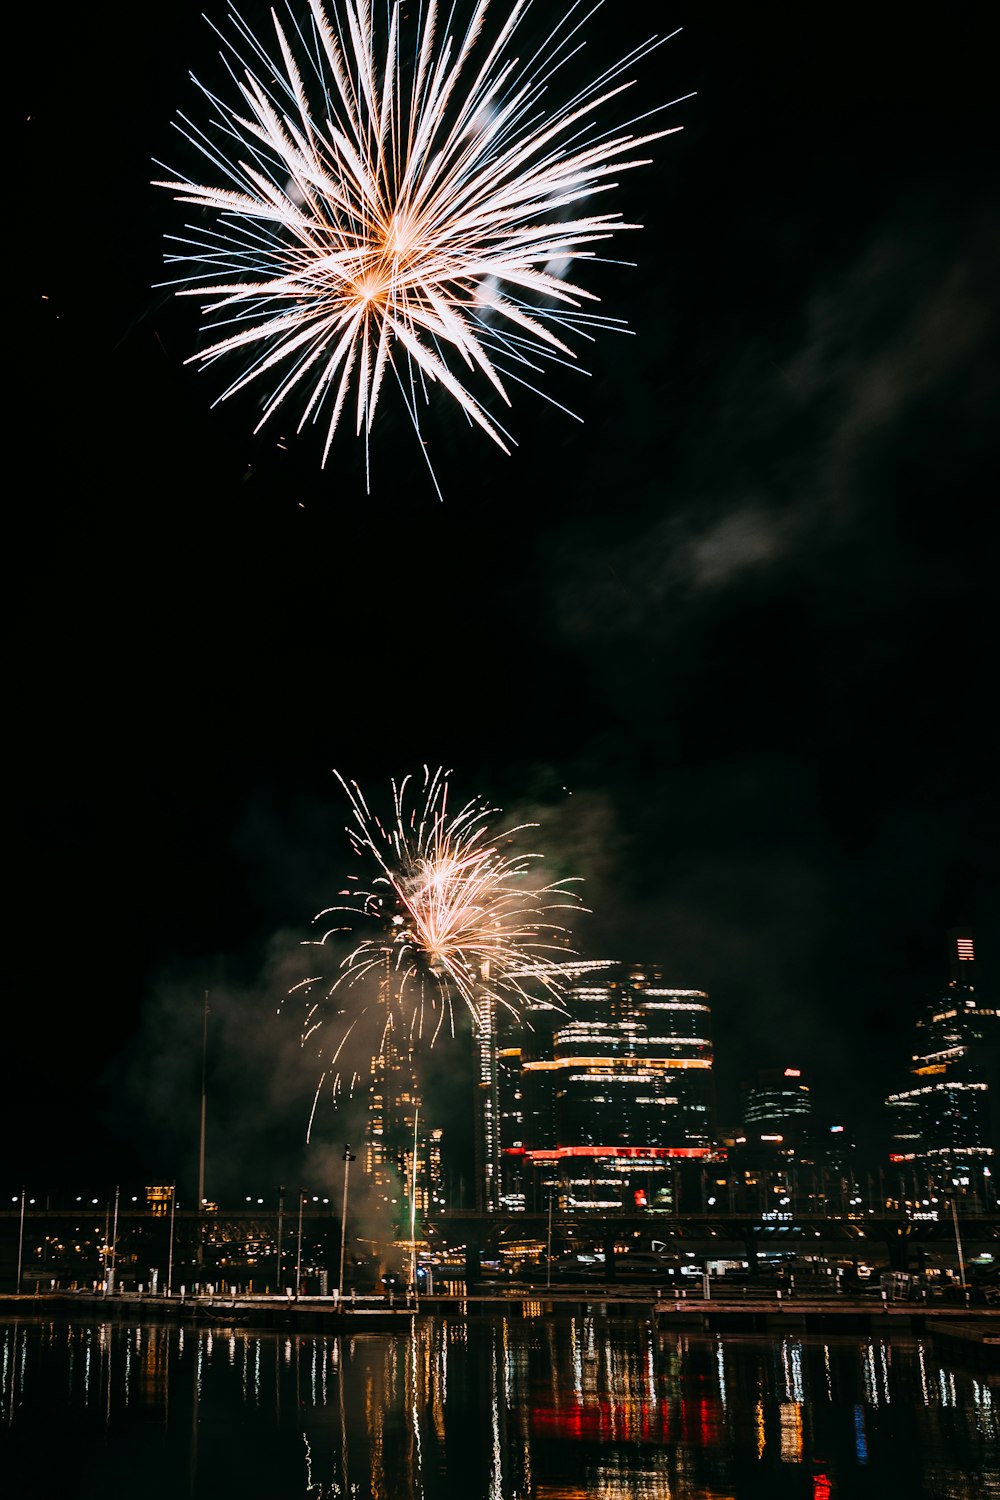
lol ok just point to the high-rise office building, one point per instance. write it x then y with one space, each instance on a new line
778 1102
502 1041
486 1127
944 1122
618 1091
783 1160
402 1150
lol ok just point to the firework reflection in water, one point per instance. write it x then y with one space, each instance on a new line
453 909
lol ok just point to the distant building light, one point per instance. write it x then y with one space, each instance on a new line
836 1129
772 1137
793 1072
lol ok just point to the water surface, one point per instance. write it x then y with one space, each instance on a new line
533 1408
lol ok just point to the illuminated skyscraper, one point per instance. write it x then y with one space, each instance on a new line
397 1128
778 1102
783 1159
487 1100
393 1102
619 1091
944 1123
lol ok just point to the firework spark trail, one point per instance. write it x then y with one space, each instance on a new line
453 912
376 211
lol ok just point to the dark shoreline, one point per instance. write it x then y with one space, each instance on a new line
972 1327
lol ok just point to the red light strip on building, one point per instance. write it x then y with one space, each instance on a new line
628 1153
612 1064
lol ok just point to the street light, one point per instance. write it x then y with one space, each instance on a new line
348 1158
298 1257
958 1246
281 1221
114 1244
170 1256
20 1245
413 1210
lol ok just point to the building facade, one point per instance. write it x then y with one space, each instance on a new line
943 1122
615 1095
402 1150
784 1160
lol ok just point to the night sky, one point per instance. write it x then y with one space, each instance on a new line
731 641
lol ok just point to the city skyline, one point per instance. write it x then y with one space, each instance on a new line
727 640
579 1052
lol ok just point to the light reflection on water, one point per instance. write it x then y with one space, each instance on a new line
532 1408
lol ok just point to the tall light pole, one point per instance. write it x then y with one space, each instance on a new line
413 1208
548 1252
170 1256
114 1240
298 1257
107 1244
348 1158
958 1244
281 1225
201 1138
20 1245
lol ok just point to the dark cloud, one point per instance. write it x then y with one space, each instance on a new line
799 452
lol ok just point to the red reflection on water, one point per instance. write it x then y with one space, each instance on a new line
599 1418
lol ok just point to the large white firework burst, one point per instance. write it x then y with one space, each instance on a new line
403 198
450 902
